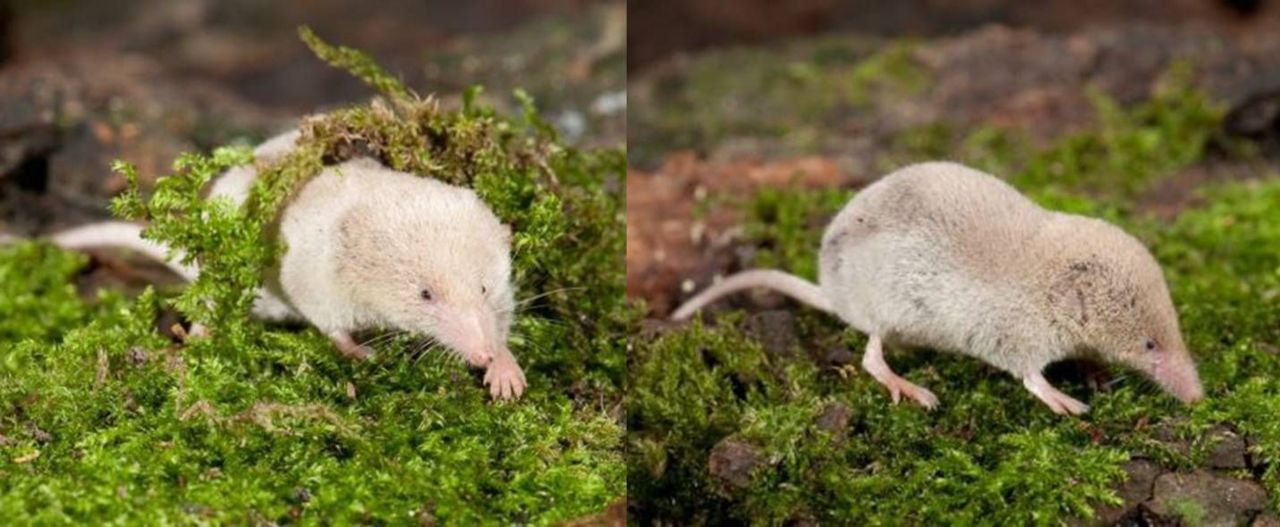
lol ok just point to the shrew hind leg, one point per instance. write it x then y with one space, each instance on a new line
873 362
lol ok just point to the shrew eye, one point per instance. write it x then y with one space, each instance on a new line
1151 345
483 290
426 294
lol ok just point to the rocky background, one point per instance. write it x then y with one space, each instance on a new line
85 82
732 99
988 65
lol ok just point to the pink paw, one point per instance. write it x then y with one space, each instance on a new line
505 380
920 395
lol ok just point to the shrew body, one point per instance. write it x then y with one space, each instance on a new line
942 256
368 247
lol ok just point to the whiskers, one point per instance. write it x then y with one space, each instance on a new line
429 346
524 303
383 338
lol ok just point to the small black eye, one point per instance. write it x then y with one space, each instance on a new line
426 294
483 290
1151 345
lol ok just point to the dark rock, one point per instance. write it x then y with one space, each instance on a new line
1165 434
1135 490
1228 450
302 495
1224 501
839 356
1266 519
775 330
733 463
1256 116
835 419
1143 516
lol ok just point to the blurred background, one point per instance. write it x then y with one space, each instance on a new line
85 81
661 28
731 96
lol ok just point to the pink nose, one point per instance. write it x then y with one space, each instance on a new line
1190 394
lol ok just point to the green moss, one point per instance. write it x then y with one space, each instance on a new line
103 418
889 70
1122 153
1190 512
794 93
787 226
991 450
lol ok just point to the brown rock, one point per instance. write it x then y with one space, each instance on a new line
1266 519
734 463
1228 450
1224 501
839 356
1165 433
775 330
1135 490
835 419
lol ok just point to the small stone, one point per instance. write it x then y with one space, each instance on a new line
1135 490
839 356
40 435
1166 435
835 419
1224 501
1143 516
733 463
1266 519
1228 449
301 494
775 330
1256 116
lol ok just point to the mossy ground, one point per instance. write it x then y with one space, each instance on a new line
105 418
991 453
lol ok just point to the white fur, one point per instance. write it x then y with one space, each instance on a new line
942 256
362 242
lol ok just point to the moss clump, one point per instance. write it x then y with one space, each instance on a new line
992 450
103 418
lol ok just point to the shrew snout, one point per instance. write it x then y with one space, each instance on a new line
1175 372
1179 377
472 333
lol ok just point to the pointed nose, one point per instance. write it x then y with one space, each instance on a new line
472 338
1182 381
1191 393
